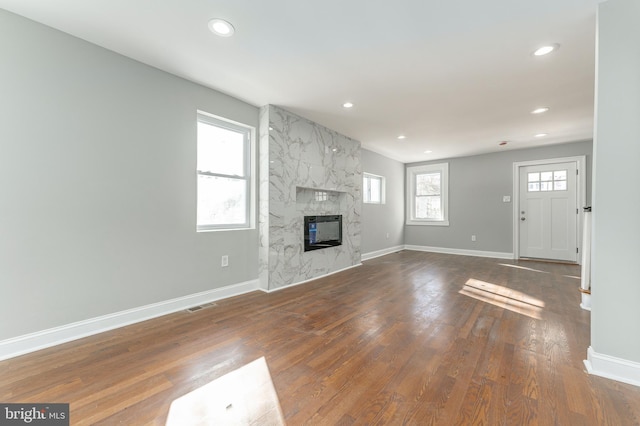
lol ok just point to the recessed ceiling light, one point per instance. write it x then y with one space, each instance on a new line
221 27
545 50
347 105
402 137
540 110
334 149
541 135
428 152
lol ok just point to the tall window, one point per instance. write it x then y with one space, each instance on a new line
427 195
224 174
373 189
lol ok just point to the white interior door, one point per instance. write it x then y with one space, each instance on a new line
548 211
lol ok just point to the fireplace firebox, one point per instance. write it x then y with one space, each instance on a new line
322 232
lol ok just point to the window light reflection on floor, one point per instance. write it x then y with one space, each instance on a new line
503 297
245 396
522 267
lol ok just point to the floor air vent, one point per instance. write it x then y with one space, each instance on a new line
200 307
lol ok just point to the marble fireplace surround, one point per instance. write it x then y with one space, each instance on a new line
305 169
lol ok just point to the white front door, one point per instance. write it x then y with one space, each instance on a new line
548 211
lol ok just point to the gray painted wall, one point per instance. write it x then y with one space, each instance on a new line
476 187
378 220
97 183
616 206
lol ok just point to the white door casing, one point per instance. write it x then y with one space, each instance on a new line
552 204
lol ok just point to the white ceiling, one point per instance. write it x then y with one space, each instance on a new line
456 76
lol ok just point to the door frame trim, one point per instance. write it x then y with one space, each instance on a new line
581 190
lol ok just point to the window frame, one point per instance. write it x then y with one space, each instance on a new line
539 181
382 180
411 173
248 133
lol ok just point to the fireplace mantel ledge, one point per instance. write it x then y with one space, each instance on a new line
321 189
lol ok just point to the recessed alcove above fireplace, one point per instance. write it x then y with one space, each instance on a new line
320 201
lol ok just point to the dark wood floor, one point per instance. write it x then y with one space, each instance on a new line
408 338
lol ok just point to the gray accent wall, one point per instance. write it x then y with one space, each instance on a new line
476 187
98 184
383 224
616 204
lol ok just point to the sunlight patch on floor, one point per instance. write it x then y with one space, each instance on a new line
245 396
503 297
522 267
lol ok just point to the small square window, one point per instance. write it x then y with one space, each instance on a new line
560 175
546 176
560 185
373 189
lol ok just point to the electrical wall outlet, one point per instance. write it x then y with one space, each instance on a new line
225 261
473 238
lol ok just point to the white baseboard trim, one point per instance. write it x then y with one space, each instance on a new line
613 368
585 301
383 252
311 279
32 342
463 252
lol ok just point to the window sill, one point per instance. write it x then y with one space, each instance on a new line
427 222
199 230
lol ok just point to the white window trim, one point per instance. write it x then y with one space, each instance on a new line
382 188
249 172
443 169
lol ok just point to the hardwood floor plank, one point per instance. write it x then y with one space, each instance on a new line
408 338
89 412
